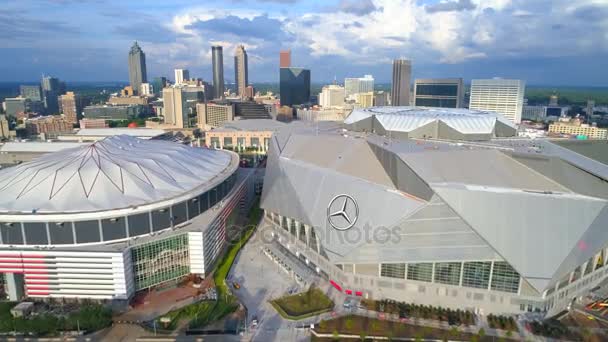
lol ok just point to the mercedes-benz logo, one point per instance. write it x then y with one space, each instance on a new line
342 212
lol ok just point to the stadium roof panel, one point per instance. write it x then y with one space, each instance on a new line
116 172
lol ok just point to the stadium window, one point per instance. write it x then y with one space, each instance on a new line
504 278
447 273
396 270
476 274
420 272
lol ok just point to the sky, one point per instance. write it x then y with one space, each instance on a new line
545 42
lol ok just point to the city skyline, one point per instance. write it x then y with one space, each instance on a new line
336 39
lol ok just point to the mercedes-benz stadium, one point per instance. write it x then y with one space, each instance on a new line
430 123
500 226
120 215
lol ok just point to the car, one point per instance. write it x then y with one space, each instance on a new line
254 321
347 303
236 285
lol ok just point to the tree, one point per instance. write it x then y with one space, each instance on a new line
336 335
482 333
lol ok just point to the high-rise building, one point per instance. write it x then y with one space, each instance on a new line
241 72
439 92
146 89
218 71
590 107
294 86
357 85
72 106
285 59
211 115
181 75
19 107
179 105
249 91
402 73
331 96
137 67
364 100
158 84
381 98
503 96
4 128
51 89
32 92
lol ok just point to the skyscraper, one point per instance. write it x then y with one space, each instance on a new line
32 92
439 92
402 72
357 85
51 89
218 71
285 59
181 75
137 67
241 72
294 86
499 95
158 84
72 106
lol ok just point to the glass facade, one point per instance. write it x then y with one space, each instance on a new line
437 89
442 103
392 270
504 278
160 261
476 274
227 141
420 272
447 273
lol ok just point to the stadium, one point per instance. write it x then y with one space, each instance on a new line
430 123
108 219
500 226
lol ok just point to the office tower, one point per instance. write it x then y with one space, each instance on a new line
249 92
331 96
137 67
590 107
357 85
146 89
294 86
21 107
402 72
285 59
211 115
4 128
181 75
32 92
180 105
499 95
51 89
439 92
72 106
364 100
158 84
241 72
381 98
218 71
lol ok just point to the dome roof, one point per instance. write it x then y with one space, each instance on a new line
407 119
117 172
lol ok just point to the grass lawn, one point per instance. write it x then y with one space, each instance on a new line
365 326
202 313
302 305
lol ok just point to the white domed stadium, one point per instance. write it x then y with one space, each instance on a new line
116 204
431 123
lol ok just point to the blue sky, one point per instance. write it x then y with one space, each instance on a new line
548 42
